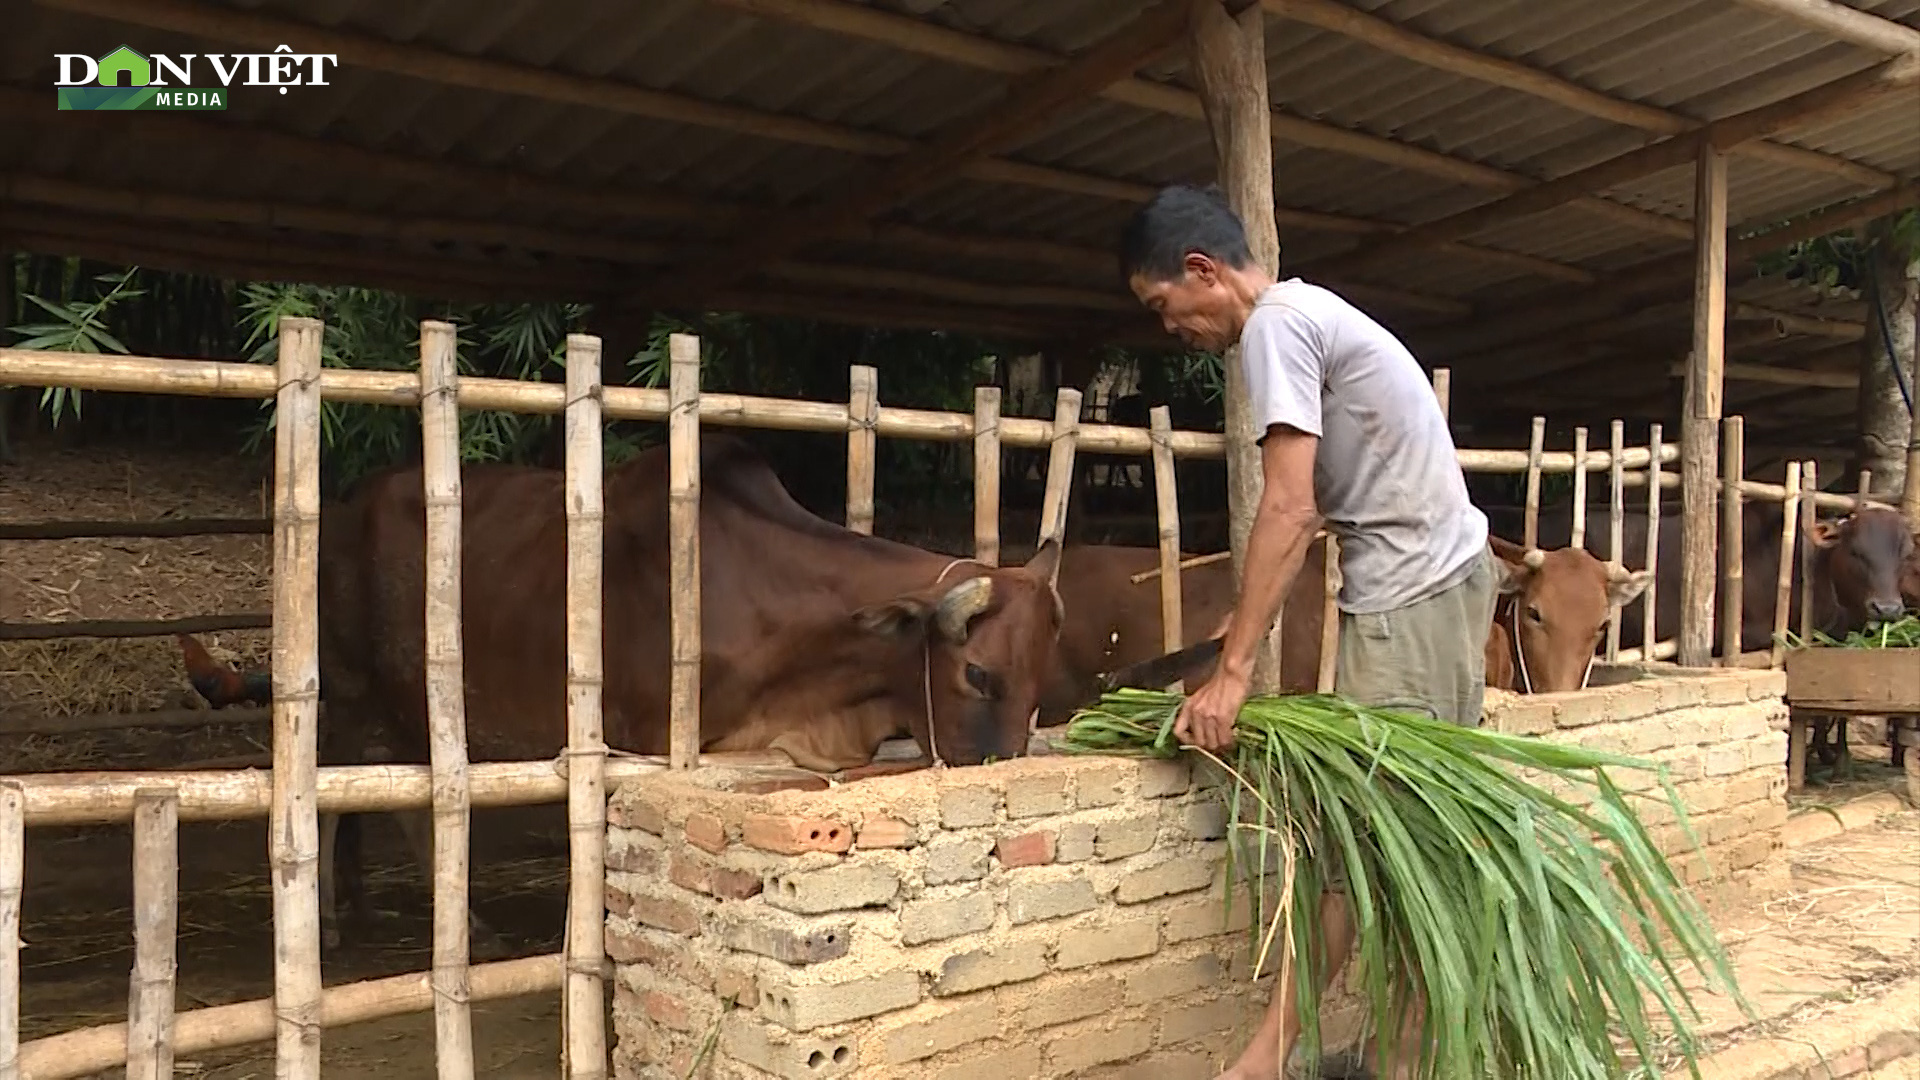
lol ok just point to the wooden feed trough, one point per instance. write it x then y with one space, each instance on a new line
1830 681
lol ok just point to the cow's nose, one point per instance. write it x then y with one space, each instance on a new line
1884 610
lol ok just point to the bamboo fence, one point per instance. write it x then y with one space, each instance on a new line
296 791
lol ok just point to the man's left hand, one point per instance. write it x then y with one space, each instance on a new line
1207 717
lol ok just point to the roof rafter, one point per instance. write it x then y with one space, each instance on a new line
1847 23
1028 103
1441 55
954 46
1851 92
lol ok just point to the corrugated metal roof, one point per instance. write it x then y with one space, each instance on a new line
1700 59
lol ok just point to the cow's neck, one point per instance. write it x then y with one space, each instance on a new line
1828 616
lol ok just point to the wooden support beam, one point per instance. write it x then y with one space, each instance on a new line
1787 323
1441 55
1700 421
1765 373
1850 93
1228 59
1028 103
1846 23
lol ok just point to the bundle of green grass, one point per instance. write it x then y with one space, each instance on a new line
1901 633
1544 934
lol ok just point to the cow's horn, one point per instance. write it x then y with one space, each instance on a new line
961 605
1534 558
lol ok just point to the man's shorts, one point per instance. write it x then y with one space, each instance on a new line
1429 657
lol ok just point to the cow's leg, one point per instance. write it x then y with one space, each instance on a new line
418 827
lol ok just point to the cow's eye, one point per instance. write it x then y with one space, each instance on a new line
980 680
1533 613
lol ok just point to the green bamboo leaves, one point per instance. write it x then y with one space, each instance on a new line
1544 933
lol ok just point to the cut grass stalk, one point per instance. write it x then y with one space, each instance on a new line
1541 933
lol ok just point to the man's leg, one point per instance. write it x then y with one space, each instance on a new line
1265 1057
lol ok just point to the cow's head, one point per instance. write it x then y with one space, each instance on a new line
1557 604
988 638
1864 554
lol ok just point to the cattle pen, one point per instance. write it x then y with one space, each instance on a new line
295 790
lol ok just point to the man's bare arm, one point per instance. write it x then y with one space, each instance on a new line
1283 527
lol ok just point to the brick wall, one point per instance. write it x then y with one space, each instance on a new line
1047 917
1721 733
1043 917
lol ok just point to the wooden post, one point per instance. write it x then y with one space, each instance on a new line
1443 390
1732 539
583 1011
683 524
13 873
1536 444
1228 60
1066 437
1651 601
1700 422
863 414
986 474
293 826
156 900
446 699
1866 488
1616 522
1809 513
1579 539
1329 619
1166 497
1783 589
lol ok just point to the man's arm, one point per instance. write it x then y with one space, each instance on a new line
1283 527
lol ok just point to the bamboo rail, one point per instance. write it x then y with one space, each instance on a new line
162 528
131 628
446 700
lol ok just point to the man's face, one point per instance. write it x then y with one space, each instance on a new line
1198 307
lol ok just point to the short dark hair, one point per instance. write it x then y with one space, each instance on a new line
1180 219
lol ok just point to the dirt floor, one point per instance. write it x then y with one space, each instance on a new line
1848 923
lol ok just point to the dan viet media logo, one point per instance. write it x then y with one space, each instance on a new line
128 79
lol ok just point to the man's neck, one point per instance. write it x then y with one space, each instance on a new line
1246 286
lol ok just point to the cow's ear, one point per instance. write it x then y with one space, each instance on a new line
892 618
1045 563
1624 586
1824 534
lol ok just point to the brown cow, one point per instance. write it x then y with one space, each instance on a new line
816 640
1559 597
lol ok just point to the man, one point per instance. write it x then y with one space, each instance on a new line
1349 433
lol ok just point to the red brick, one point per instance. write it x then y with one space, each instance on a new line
786 835
706 832
1893 1045
1027 849
633 860
735 884
690 874
740 986
666 1009
886 833
618 902
670 915
637 815
1846 1063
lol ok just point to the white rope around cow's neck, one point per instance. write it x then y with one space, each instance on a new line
926 674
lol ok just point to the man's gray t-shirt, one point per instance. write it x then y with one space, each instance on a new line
1386 477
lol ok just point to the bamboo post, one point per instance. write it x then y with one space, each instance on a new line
863 414
1166 497
1443 390
13 872
1329 618
1700 420
293 824
583 1016
1648 598
986 474
1860 493
156 898
1783 588
446 699
1066 432
1809 513
683 523
1732 538
1579 488
1616 522
1535 444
